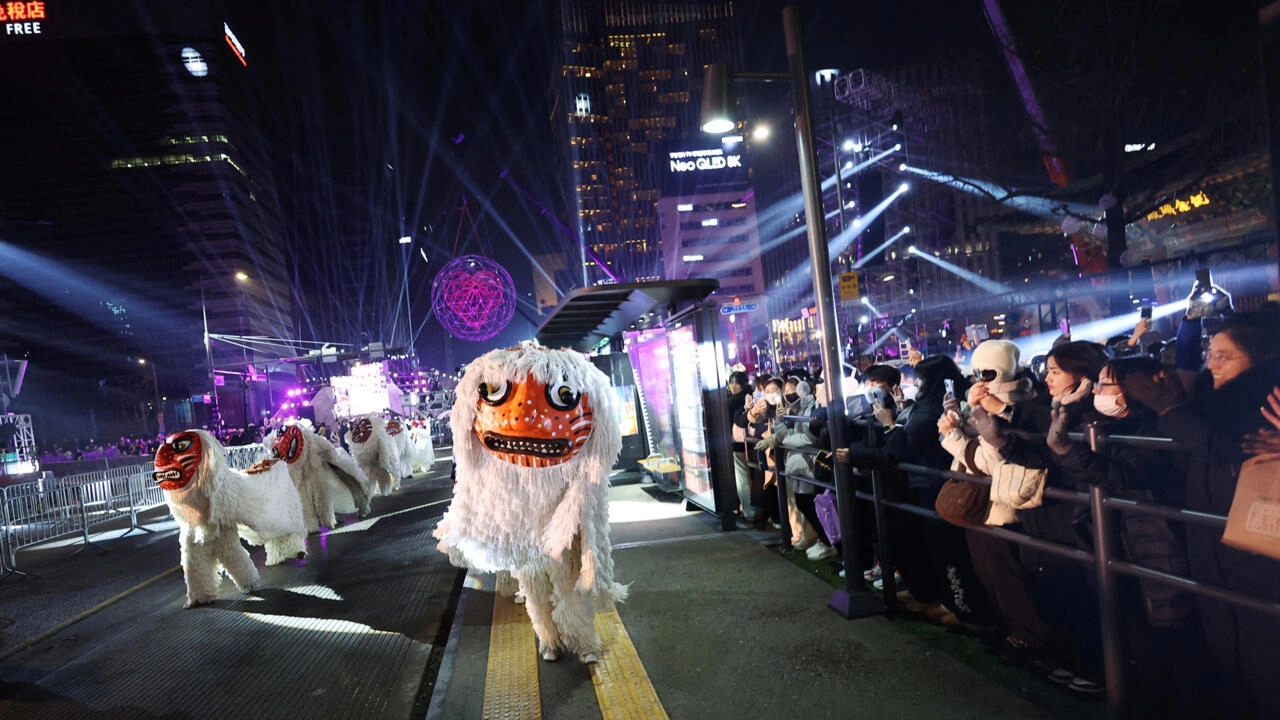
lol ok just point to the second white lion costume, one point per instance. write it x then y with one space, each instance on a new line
535 436
215 505
328 480
375 452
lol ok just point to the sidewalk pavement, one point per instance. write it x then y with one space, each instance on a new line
724 627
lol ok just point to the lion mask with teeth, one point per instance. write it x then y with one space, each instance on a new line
535 436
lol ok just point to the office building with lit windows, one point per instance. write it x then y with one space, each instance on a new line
142 188
628 86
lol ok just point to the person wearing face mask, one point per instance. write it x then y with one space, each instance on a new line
794 399
1242 369
1162 642
737 388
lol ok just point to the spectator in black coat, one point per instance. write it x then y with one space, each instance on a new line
1242 368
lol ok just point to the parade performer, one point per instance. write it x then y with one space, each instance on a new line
216 505
328 480
535 436
403 446
375 452
424 456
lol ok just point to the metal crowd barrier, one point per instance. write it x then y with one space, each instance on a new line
1106 558
39 512
241 457
33 515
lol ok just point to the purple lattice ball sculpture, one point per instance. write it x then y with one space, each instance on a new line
473 297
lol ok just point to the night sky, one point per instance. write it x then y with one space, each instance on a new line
376 93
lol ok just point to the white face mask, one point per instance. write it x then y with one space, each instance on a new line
773 398
1109 405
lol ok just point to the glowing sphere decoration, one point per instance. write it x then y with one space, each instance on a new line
473 297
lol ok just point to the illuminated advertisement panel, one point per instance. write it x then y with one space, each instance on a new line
666 368
22 19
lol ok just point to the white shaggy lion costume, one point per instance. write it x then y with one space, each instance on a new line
398 432
375 452
535 436
424 456
328 480
215 505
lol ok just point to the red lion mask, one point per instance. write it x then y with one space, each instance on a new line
177 460
288 445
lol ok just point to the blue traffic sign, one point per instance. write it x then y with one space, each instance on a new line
739 308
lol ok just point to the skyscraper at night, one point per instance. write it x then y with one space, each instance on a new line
140 205
627 91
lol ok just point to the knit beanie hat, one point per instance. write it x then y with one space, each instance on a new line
1002 357
999 355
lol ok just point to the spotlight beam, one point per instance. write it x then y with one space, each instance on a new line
881 248
987 284
1098 330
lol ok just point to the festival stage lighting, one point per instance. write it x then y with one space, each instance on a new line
903 188
985 283
863 320
760 132
1096 331
857 147
405 240
865 163
867 301
881 248
848 146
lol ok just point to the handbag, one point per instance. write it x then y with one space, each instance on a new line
828 517
964 502
1017 486
1253 524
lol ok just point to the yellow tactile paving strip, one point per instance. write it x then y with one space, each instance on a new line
511 680
622 686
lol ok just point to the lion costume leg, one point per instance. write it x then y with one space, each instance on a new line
285 547
535 585
574 613
228 551
199 569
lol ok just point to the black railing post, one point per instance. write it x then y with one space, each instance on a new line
884 544
1108 605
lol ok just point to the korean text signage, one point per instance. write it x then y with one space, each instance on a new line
22 18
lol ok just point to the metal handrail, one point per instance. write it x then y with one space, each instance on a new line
1106 564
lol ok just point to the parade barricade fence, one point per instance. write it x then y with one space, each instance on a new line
242 457
1106 558
38 512
34 514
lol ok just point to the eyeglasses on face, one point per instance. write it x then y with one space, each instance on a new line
984 375
1220 356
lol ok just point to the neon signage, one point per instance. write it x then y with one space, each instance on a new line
698 160
21 18
1177 207
234 43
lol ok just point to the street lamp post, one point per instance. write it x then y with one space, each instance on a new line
854 600
155 384
215 416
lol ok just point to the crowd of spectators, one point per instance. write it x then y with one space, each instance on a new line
1215 390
